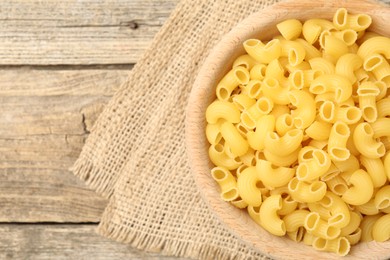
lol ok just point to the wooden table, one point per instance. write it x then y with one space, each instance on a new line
61 61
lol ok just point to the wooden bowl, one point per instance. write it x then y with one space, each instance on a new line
261 25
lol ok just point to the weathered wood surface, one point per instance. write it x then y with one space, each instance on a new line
63 242
78 32
46 113
45 117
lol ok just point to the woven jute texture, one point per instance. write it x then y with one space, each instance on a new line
135 155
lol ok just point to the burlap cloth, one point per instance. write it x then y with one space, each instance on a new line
135 155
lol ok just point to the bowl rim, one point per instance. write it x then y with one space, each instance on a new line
196 143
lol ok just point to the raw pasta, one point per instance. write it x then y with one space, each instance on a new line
299 132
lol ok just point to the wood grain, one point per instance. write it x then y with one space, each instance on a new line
63 242
46 116
79 32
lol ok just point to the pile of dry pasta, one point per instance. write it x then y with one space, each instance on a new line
300 133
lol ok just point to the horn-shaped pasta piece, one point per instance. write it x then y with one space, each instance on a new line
269 217
245 61
340 245
337 84
289 142
314 168
238 75
248 187
382 197
305 192
375 45
318 227
365 142
338 137
222 110
338 209
381 127
226 182
264 125
304 115
312 29
360 180
347 65
273 176
263 53
358 22
290 29
381 229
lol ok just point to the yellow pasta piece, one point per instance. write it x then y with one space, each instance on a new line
305 192
222 110
386 163
382 197
381 229
285 144
294 51
331 173
258 72
295 220
321 64
365 142
375 169
213 132
360 180
284 123
335 47
245 61
320 228
367 225
340 85
247 184
263 53
314 168
304 115
274 91
348 36
290 29
312 29
368 208
358 22
264 125
254 213
337 185
340 215
319 130
238 75
227 183
273 176
337 142
243 102
341 245
381 127
219 158
270 220
375 45
238 145
282 160
353 225
347 65
311 51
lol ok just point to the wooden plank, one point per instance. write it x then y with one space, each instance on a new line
46 116
64 242
79 32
